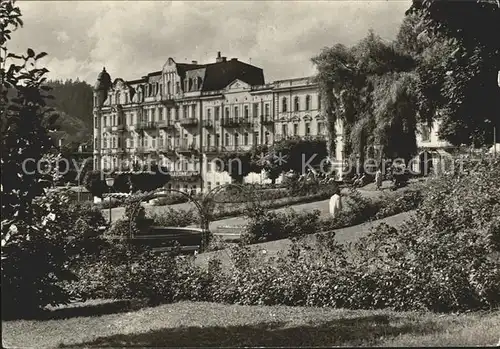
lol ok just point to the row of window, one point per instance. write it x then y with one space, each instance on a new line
296 103
229 140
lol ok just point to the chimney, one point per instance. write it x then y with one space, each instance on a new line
194 62
224 59
219 58
234 59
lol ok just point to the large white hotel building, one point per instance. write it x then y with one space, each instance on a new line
185 115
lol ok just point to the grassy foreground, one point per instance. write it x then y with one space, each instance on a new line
209 324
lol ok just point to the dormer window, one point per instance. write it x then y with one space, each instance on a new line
190 84
200 83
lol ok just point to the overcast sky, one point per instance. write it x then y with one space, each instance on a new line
133 38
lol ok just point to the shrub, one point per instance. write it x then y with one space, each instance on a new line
268 226
171 199
400 202
36 254
174 218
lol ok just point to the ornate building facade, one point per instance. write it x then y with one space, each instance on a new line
185 115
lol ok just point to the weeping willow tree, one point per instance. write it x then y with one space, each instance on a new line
368 88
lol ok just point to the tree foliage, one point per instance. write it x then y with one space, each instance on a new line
25 121
458 66
368 88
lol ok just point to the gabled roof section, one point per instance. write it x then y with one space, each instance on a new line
219 75
237 84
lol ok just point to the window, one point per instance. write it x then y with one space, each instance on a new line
193 111
131 142
177 87
168 87
284 130
266 106
185 112
227 113
153 142
236 112
217 184
146 143
284 105
119 142
195 141
177 113
425 129
153 114
216 113
256 138
308 129
190 84
236 139
209 139
308 102
186 86
320 128
245 138
117 97
319 102
296 105
209 113
295 129
217 140
266 138
169 114
96 143
227 140
95 122
209 186
114 142
104 142
255 111
126 98
246 112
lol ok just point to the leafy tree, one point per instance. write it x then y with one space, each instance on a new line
25 120
458 68
238 165
37 244
366 87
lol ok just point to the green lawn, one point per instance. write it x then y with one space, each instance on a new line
209 324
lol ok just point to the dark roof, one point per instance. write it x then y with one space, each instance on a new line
136 81
103 80
219 75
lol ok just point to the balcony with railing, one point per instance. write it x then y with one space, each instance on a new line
236 122
107 128
189 122
144 150
166 124
167 149
186 147
146 125
266 120
118 128
168 99
211 149
207 123
185 176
